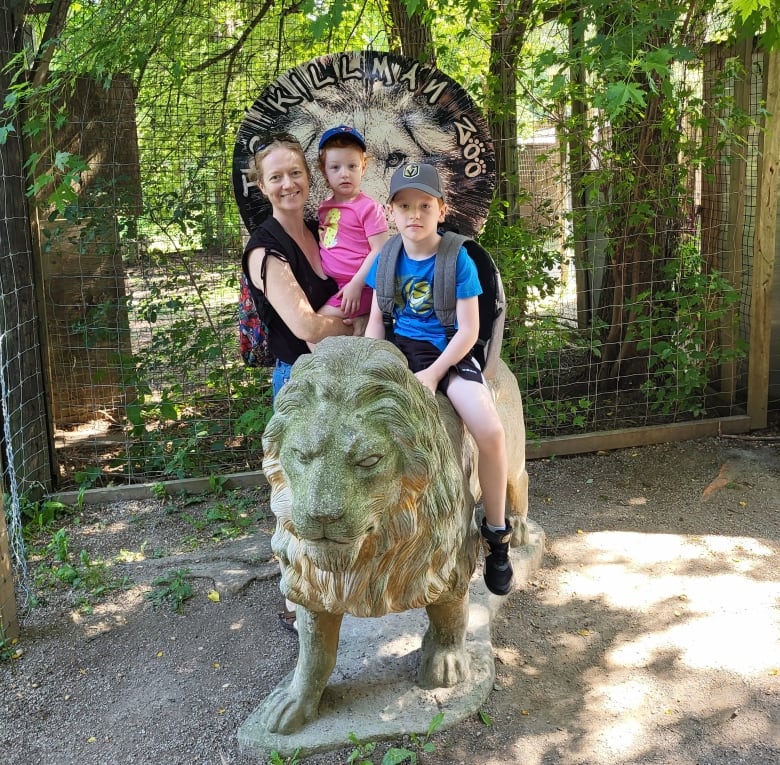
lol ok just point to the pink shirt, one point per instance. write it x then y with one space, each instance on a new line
344 231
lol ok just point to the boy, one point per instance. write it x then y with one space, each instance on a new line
416 205
353 226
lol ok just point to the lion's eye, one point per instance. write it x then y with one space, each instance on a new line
303 457
370 461
395 159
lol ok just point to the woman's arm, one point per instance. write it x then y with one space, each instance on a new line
288 300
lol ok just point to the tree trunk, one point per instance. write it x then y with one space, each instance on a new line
506 40
642 223
411 35
81 258
27 449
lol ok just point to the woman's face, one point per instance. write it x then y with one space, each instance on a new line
284 179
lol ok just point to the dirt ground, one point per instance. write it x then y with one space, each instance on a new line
650 635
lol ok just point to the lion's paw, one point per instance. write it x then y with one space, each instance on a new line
443 668
285 712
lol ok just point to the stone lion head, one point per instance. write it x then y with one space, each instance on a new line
368 493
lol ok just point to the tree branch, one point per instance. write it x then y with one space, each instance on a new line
58 14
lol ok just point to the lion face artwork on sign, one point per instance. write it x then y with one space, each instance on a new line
373 485
406 111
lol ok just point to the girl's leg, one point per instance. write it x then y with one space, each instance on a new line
358 322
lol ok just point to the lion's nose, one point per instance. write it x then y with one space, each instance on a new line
327 513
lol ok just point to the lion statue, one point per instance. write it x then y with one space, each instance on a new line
373 485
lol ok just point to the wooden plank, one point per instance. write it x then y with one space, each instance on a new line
565 445
734 255
9 623
764 248
629 437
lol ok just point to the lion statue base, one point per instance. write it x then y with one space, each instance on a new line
373 485
373 690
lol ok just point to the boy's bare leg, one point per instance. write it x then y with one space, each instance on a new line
474 403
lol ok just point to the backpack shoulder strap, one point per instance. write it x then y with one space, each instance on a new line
385 280
444 279
492 309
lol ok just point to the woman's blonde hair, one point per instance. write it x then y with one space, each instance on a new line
266 146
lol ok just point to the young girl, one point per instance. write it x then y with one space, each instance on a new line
352 225
417 207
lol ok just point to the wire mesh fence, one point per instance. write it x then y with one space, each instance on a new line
618 317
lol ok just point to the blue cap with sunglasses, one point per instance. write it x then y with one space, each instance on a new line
346 132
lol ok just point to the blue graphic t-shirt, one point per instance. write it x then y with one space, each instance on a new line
413 313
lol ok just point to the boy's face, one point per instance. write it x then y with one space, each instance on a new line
416 215
343 168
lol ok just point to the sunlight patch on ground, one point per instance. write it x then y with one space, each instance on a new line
675 612
708 603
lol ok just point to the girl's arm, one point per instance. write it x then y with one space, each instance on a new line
288 300
352 290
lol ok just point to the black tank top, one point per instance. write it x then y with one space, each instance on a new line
277 243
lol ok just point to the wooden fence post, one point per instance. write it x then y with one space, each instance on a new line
764 247
9 625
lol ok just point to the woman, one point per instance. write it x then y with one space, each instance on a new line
282 259
282 266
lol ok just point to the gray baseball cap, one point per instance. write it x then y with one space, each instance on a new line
416 176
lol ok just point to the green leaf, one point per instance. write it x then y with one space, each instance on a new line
395 755
621 93
5 131
436 723
134 413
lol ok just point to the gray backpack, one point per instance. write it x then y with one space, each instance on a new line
492 301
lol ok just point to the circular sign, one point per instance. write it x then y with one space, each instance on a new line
407 112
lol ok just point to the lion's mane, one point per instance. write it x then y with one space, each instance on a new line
419 546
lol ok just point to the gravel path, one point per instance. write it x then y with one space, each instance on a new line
650 635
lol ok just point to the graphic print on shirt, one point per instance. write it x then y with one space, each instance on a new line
417 295
329 231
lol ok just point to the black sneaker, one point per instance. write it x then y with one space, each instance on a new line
498 567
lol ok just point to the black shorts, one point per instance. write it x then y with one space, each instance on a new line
421 354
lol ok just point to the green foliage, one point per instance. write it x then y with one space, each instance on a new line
524 255
172 588
90 579
159 491
277 759
361 754
681 334
8 649
362 751
37 515
757 17
539 351
233 516
194 409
